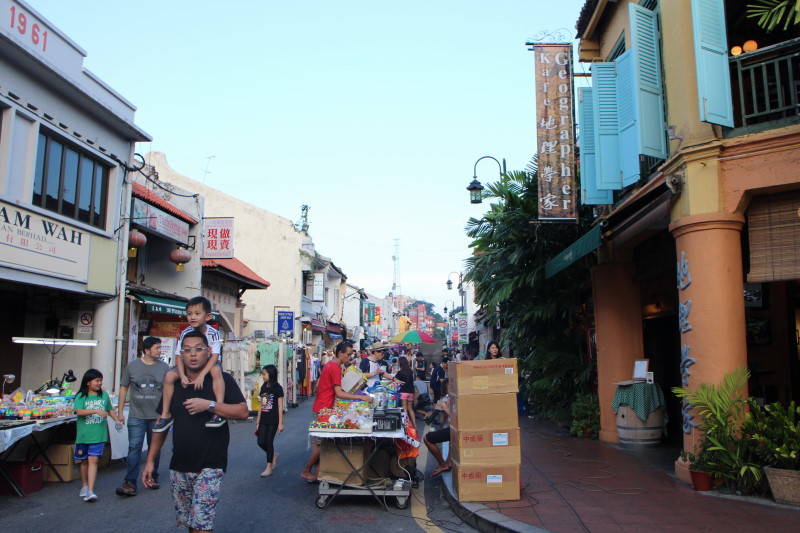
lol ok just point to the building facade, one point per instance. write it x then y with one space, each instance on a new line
689 147
66 139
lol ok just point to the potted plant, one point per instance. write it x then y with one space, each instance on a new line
774 435
723 411
585 416
698 469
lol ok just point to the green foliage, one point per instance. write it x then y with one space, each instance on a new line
770 13
541 318
585 416
726 453
773 433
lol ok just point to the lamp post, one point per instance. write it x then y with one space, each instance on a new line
475 188
461 291
448 320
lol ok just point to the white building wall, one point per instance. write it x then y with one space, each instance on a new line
264 241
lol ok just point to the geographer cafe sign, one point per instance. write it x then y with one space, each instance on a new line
555 135
35 243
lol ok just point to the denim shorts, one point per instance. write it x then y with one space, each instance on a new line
196 495
82 451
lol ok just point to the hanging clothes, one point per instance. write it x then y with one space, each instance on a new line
269 353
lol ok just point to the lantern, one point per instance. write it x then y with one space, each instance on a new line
475 192
136 239
179 256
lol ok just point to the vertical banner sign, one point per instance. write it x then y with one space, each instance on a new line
217 238
463 330
285 322
554 131
318 294
377 315
371 313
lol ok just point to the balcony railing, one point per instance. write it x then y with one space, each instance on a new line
768 84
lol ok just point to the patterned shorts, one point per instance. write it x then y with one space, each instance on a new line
196 496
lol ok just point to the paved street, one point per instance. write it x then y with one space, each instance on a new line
282 502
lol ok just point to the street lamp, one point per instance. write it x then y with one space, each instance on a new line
475 188
461 291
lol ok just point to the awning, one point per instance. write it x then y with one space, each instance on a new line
165 306
316 325
580 248
334 328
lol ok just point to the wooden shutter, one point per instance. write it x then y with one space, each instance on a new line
606 129
647 84
590 194
627 119
711 61
774 235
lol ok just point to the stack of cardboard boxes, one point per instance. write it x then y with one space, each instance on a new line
484 430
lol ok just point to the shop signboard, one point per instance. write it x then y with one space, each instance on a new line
319 287
221 292
218 238
161 222
36 243
463 330
377 315
555 132
168 348
371 313
285 322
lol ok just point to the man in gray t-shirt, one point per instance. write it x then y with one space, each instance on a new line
144 379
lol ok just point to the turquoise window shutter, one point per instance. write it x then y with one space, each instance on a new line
604 88
711 60
647 82
628 119
590 194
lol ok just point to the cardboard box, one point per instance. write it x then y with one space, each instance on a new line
61 454
483 411
490 376
334 468
68 472
491 446
486 483
353 380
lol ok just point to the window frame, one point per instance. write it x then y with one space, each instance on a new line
97 218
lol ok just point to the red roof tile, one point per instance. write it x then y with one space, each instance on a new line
143 193
236 267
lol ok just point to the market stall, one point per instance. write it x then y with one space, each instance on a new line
362 447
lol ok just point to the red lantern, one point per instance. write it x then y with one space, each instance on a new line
179 256
136 239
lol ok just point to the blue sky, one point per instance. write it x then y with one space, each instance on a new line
373 113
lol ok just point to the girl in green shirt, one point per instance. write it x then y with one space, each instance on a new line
92 405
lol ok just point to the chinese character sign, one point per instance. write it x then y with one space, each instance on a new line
554 131
285 322
377 315
217 238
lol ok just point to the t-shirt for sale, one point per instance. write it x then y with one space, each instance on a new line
92 428
269 403
144 384
330 377
194 446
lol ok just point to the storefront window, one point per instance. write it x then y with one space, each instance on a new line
70 182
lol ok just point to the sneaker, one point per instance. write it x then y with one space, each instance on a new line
162 424
84 492
155 485
127 489
216 421
90 496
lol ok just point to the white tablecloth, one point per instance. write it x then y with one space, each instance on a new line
9 436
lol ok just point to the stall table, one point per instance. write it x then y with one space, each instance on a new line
328 490
12 435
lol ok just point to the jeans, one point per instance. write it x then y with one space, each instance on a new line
138 428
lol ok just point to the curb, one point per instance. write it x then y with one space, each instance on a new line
481 517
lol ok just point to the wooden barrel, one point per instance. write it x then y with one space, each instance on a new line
633 432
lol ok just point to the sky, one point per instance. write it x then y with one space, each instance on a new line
372 113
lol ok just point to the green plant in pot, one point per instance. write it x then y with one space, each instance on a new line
773 433
698 469
585 411
723 411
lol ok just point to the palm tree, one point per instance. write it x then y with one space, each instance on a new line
770 13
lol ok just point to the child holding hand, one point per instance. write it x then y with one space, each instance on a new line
198 313
92 406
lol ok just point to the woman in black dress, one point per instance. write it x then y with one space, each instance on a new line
270 416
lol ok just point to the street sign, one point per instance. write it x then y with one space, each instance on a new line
463 329
285 322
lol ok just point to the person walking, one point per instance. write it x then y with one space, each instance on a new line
438 375
144 379
92 406
269 421
199 453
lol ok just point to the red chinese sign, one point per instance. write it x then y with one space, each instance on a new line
217 238
555 132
